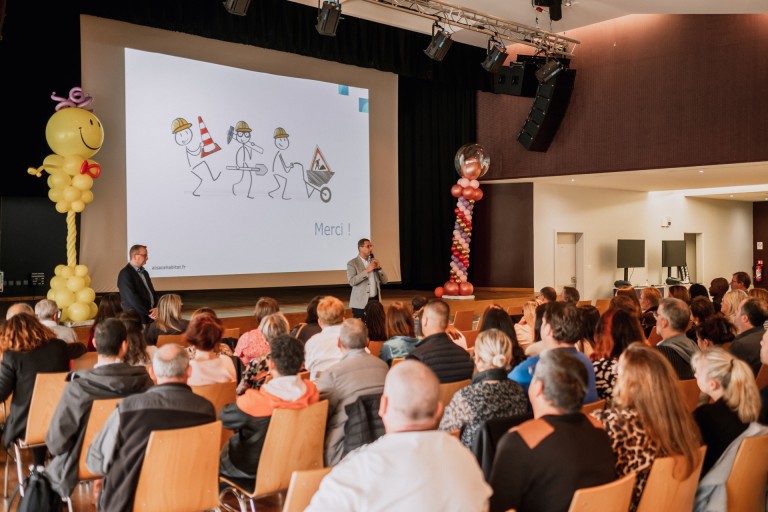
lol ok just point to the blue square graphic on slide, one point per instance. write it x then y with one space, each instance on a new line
362 105
344 90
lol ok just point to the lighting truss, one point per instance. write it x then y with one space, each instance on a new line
547 42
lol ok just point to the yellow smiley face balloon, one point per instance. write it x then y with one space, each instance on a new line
74 131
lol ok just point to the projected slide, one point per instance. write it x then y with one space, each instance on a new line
231 171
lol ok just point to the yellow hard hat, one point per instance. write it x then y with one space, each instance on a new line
242 126
180 124
279 133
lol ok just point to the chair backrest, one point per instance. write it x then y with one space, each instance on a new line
691 393
471 337
593 406
219 395
294 442
232 332
665 492
305 374
582 303
464 320
611 497
100 411
748 479
375 347
164 339
448 389
762 377
654 338
515 310
45 397
303 486
180 471
397 360
602 305
85 361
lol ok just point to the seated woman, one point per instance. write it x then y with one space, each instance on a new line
109 307
375 320
729 307
730 383
491 394
679 291
401 338
27 348
257 371
616 330
714 331
494 317
524 328
648 417
168 319
310 326
590 316
701 309
137 353
252 344
203 333
536 347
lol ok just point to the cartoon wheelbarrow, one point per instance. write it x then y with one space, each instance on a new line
317 178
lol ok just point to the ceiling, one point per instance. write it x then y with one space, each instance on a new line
735 182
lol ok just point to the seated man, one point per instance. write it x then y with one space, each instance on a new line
48 313
322 349
672 319
358 373
749 324
413 466
110 378
249 416
450 362
118 450
541 463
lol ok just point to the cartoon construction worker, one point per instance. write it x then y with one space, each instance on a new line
183 136
279 168
243 137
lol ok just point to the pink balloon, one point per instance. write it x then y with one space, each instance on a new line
474 183
464 182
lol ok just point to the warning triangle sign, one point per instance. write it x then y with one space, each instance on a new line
318 162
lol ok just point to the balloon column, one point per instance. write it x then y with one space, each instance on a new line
471 163
75 135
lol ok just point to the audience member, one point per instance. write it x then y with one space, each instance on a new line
648 417
631 293
590 315
47 311
649 302
524 328
137 353
541 463
714 331
672 320
730 384
491 394
679 291
204 333
109 307
401 338
701 309
731 304
322 349
257 371
497 318
411 467
698 290
448 360
741 281
717 288
536 347
110 378
627 303
560 329
758 293
616 330
27 348
546 294
252 343
375 320
764 390
19 307
118 450
417 304
309 327
749 325
357 373
569 294
168 319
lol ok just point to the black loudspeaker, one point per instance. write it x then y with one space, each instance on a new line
517 79
238 7
328 18
547 111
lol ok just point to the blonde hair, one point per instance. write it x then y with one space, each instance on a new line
529 312
273 326
493 348
330 310
732 300
169 312
736 379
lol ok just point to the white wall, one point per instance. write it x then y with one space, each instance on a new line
604 216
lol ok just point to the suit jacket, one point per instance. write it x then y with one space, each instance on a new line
358 280
133 294
746 346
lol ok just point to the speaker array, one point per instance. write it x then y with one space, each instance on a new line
547 111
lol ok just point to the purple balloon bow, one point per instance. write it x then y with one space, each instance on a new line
77 99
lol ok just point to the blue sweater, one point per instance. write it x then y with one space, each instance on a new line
523 374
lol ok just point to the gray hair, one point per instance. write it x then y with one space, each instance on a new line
171 361
353 334
19 307
274 325
46 309
676 311
564 377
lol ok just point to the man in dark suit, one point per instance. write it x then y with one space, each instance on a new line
136 291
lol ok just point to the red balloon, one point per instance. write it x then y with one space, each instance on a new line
439 291
466 288
456 190
468 193
478 194
451 288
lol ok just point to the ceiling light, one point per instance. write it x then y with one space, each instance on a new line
328 17
497 54
441 42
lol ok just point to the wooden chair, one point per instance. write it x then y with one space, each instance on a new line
583 303
305 374
164 339
294 442
397 360
691 393
45 397
303 486
602 305
471 337
4 408
654 338
611 497
748 479
762 377
663 491
180 471
447 390
593 406
219 395
232 332
375 347
464 320
515 310
85 361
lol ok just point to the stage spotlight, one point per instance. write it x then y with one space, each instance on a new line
441 42
497 54
328 17
546 72
239 7
555 8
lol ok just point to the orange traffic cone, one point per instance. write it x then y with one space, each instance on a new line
209 147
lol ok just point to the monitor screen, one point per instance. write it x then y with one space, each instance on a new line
673 253
630 253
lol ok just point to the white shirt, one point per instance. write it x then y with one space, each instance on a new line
406 472
212 371
373 289
62 332
322 350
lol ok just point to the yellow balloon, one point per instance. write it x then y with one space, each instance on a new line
86 196
87 280
64 298
86 295
82 182
78 312
94 310
75 283
59 269
81 270
73 164
62 206
77 206
74 131
54 164
54 195
71 193
67 271
59 180
51 294
58 283
64 315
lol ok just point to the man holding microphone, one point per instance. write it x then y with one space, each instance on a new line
365 276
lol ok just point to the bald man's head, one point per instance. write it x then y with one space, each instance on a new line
19 307
411 398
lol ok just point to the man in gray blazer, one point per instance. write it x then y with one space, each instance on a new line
365 276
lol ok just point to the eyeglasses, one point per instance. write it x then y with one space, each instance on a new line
143 255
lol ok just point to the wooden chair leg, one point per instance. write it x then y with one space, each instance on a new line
19 468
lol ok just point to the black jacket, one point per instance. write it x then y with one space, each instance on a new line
133 294
450 362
